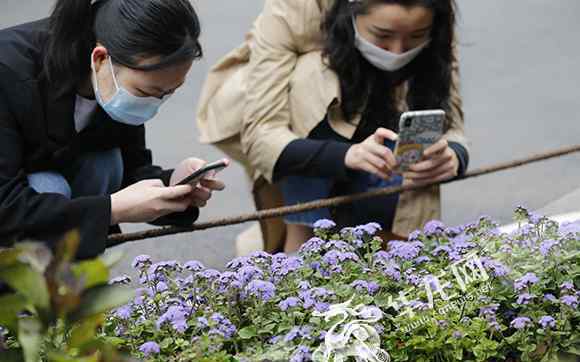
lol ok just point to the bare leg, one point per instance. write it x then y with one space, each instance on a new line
296 235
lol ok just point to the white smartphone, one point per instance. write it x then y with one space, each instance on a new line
417 131
203 172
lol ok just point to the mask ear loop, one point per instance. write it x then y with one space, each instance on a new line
113 74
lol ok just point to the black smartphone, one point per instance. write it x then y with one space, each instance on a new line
198 175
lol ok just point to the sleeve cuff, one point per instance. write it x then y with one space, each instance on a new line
462 156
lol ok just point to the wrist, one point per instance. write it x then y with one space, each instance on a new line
115 217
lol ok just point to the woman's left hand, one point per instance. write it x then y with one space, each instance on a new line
440 163
202 192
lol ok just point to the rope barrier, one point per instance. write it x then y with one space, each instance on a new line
118 239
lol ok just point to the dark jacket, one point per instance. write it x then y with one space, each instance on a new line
37 133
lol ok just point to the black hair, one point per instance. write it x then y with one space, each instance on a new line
370 91
131 30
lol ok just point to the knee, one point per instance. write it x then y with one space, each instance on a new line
50 182
105 169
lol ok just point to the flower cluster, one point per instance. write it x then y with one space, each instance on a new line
473 292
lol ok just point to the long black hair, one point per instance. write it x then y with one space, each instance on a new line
131 30
370 91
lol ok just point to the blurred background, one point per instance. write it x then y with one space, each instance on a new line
521 92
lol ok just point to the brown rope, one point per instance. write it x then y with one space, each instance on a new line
118 239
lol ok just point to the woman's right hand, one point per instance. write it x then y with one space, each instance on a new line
372 155
147 201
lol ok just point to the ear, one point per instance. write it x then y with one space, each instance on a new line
99 57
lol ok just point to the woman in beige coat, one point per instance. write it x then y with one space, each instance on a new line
309 105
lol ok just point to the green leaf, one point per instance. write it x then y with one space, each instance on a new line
92 273
101 299
248 332
30 336
60 357
28 282
85 331
10 307
12 356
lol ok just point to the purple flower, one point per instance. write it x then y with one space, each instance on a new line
433 227
141 262
324 224
289 303
286 266
488 310
457 335
161 287
193 266
224 326
567 286
334 257
120 280
373 288
261 289
369 229
301 354
570 300
535 218
521 322
528 279
149 348
415 235
525 298
547 322
462 242
392 270
260 255
321 307
422 259
208 274
405 250
303 285
238 263
370 312
546 246
570 228
298 332
176 316
550 298
202 322
496 267
314 245
248 273
440 249
123 312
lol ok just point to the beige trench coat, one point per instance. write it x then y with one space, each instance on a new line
275 88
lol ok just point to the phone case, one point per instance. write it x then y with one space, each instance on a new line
417 131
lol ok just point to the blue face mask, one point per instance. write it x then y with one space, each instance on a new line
125 107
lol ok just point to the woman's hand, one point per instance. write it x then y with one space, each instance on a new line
372 155
200 194
147 201
440 163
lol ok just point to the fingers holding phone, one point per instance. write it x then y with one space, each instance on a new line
372 155
439 163
201 176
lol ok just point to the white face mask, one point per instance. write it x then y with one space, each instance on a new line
384 59
125 107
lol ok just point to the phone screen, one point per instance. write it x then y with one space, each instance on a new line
211 168
417 131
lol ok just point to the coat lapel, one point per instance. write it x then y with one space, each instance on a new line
59 118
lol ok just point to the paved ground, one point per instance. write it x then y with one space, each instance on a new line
520 83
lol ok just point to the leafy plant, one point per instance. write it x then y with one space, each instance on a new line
467 293
55 305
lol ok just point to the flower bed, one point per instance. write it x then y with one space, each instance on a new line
467 293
